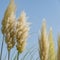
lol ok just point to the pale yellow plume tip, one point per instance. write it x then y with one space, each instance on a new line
44 20
50 28
44 23
11 0
23 14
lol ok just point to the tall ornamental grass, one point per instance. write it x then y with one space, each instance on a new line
43 43
16 32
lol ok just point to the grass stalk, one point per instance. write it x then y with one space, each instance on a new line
8 55
2 48
18 56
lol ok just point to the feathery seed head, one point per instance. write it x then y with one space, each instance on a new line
51 46
43 43
10 32
22 31
10 9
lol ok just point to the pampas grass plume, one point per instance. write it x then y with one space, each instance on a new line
43 42
10 32
10 9
22 31
51 46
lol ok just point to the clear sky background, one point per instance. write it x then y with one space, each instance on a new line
36 10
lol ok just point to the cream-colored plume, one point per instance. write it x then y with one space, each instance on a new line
10 9
10 31
43 43
22 31
51 46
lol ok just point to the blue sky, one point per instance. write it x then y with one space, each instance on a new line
36 10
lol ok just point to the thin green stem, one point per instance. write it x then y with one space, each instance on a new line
18 56
2 48
8 55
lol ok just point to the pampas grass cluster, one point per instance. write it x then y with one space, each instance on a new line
15 32
46 45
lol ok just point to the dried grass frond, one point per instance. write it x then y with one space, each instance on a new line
10 9
22 32
43 43
51 46
10 32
